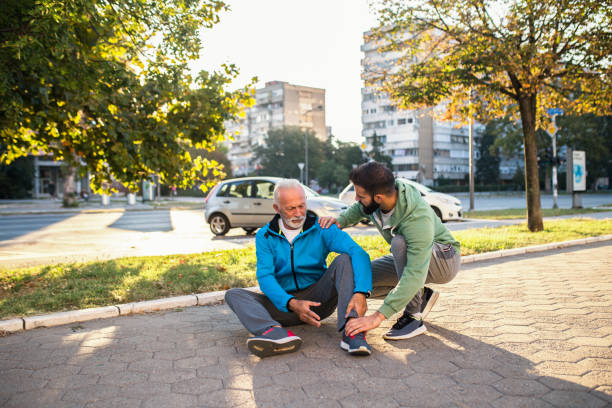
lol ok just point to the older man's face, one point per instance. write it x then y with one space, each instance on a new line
291 207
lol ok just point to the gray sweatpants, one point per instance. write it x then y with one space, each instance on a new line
387 271
257 313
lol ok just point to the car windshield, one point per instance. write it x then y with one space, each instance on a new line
420 187
310 193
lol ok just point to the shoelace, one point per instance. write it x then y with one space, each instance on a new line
402 321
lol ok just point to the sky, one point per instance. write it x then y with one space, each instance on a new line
312 43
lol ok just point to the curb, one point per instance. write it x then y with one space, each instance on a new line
531 249
211 298
98 210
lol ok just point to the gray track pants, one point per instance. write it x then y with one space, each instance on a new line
386 271
257 313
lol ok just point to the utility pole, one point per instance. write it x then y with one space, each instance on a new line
554 165
471 152
306 179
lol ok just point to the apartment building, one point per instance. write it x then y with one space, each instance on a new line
278 104
422 149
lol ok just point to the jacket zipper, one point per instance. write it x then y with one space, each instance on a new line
293 270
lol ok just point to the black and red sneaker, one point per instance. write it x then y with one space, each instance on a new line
356 345
273 341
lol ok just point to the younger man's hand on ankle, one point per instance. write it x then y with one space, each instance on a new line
363 324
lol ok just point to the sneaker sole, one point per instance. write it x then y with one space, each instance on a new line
361 351
432 301
265 348
413 333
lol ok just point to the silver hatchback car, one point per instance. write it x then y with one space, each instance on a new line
247 203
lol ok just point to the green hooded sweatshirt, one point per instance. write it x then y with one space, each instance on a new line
415 220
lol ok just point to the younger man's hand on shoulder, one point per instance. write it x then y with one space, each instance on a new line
326 222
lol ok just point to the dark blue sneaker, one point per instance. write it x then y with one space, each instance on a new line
356 345
405 328
428 301
273 341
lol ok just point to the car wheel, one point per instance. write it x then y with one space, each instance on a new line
219 224
438 213
249 231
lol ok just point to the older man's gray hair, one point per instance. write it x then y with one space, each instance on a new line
286 184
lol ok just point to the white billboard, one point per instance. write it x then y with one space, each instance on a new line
579 171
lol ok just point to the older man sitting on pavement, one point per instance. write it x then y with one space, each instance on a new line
297 285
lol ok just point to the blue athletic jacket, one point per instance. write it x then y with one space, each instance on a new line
283 267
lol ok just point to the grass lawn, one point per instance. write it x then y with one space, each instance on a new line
518 213
43 289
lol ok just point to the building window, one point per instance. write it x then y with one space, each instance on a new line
404 152
441 153
459 139
375 125
401 122
390 122
406 167
381 139
389 108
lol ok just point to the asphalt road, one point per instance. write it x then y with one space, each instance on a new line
35 239
503 201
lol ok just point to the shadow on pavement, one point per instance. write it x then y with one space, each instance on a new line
197 357
440 369
15 226
157 221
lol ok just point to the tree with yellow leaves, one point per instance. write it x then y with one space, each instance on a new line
492 59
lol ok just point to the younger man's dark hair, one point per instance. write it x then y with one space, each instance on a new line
374 177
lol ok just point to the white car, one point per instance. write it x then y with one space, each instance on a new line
446 207
247 203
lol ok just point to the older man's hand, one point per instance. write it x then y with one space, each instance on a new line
302 309
358 303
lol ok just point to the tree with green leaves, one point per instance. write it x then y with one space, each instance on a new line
106 84
284 148
339 160
377 153
487 165
593 134
16 178
490 59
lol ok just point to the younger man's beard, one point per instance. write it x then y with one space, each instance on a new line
370 208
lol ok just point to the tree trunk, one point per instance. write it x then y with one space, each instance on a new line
527 106
70 197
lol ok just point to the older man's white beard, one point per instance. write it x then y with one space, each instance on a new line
295 222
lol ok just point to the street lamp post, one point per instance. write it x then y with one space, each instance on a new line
554 113
306 179
301 166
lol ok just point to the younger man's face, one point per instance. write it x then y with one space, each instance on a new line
366 200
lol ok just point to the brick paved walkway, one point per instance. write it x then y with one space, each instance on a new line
528 331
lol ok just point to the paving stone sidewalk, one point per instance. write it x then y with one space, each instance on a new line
527 331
